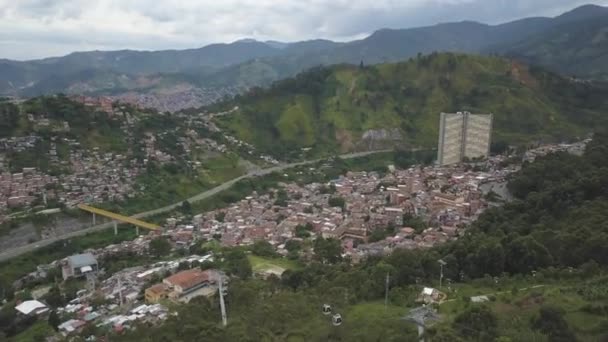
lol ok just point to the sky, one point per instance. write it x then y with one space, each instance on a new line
31 29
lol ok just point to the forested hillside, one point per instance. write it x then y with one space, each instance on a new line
332 109
575 48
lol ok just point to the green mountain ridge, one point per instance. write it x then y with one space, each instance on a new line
571 48
331 109
573 43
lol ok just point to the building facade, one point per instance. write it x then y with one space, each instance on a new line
184 286
463 135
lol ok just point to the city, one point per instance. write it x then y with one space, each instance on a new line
303 171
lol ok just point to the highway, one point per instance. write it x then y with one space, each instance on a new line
6 255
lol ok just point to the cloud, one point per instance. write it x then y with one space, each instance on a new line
38 28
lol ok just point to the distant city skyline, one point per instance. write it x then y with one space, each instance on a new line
32 29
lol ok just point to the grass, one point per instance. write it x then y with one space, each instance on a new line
375 321
163 186
39 331
515 310
260 264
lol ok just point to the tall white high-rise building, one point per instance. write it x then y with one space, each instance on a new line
463 135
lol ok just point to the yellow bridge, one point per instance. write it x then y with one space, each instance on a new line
117 217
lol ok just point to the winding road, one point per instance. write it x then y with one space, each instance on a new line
11 253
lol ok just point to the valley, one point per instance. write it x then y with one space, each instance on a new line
365 171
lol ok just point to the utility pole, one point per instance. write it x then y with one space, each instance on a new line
120 289
222 304
386 291
441 264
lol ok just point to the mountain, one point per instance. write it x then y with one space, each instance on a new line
574 46
17 75
515 39
572 43
345 107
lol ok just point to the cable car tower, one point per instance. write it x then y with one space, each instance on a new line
222 292
423 317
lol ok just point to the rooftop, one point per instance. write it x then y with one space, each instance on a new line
188 279
31 306
80 260
158 288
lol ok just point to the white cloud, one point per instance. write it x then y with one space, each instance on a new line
38 28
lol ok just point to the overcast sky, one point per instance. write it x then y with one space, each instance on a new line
40 28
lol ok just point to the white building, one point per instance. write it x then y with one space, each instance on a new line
463 135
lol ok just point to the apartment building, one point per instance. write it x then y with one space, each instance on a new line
463 135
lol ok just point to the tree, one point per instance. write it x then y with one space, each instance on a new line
184 265
238 264
293 248
293 245
186 208
9 115
328 250
54 297
550 321
263 248
488 259
477 323
281 198
220 216
54 320
302 231
525 254
336 202
160 246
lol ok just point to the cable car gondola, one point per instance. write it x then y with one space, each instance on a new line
326 309
336 320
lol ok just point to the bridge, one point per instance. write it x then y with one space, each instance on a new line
117 217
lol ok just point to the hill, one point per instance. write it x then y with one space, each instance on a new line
584 28
573 43
343 108
574 47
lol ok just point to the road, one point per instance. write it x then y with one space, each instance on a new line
6 255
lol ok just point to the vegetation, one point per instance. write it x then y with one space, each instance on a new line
90 127
160 246
330 108
260 264
561 48
545 250
510 242
173 182
19 266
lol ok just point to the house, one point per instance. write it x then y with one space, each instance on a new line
78 265
32 308
71 326
430 295
185 281
184 286
156 292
